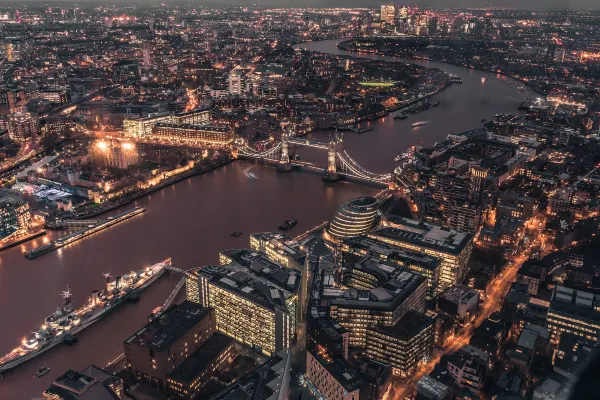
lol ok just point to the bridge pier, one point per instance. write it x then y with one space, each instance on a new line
331 173
284 163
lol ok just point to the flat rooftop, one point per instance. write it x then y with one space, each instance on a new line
458 294
411 324
162 332
391 252
253 276
202 358
388 296
434 237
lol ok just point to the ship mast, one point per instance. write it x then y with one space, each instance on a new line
66 294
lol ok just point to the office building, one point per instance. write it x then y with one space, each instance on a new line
404 345
237 85
458 301
279 248
255 299
270 380
575 312
390 255
388 14
327 333
15 216
430 389
356 309
141 128
354 218
166 342
92 383
193 135
333 378
23 126
190 376
451 247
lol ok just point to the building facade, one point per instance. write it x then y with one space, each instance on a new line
256 300
403 346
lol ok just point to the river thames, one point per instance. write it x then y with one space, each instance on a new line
192 221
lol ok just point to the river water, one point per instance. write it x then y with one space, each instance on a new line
192 221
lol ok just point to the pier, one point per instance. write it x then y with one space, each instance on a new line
91 228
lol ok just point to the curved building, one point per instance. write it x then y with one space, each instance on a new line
354 218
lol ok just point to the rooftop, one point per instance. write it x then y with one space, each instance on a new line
261 383
458 294
201 359
424 234
391 252
411 324
162 332
401 284
253 276
92 384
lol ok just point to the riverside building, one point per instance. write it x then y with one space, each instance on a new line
354 218
255 299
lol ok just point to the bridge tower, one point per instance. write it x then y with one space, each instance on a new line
335 146
284 163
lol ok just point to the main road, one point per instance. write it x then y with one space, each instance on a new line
192 220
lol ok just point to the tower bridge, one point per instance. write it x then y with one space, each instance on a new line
339 162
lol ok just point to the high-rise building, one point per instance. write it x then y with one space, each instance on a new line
388 14
166 342
453 248
15 216
236 82
23 126
403 12
255 299
404 345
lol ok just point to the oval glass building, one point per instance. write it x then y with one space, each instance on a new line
354 218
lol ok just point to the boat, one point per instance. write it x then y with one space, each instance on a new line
420 123
236 234
289 224
70 320
484 79
42 371
483 120
520 88
401 116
